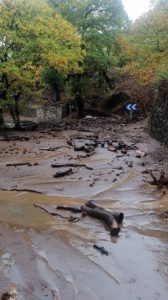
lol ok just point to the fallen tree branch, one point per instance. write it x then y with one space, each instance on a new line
161 181
112 220
63 173
48 212
118 216
70 165
105 216
101 249
53 148
18 164
17 138
74 209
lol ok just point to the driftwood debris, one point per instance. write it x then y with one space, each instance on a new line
112 220
101 249
164 215
17 138
119 217
53 148
67 171
74 209
70 165
19 164
83 144
114 147
49 212
105 216
161 181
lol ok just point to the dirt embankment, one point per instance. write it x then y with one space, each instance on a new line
49 257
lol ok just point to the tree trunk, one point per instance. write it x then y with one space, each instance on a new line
1 118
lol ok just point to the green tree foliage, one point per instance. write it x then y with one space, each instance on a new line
146 46
33 37
55 80
99 23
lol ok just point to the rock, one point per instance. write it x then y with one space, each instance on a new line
140 154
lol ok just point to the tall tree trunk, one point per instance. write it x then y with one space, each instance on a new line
1 118
16 110
2 123
13 115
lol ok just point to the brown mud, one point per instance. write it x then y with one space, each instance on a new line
46 257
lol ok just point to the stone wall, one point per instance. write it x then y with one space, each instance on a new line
51 113
158 123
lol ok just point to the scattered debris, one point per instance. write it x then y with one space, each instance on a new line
112 220
70 165
129 164
67 171
16 138
161 181
53 148
19 164
74 209
11 295
164 215
140 154
101 249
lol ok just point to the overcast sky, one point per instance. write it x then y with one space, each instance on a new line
135 8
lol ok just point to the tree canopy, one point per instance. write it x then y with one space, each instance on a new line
146 45
99 23
32 37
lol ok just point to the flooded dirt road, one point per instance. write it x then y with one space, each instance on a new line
46 257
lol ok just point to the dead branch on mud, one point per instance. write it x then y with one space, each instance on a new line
63 173
74 209
70 165
101 249
161 181
48 212
112 220
16 138
119 217
53 148
105 216
19 164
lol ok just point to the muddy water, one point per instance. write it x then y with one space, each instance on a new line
49 258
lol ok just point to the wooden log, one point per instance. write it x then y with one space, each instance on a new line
105 216
70 165
18 164
63 173
119 216
74 209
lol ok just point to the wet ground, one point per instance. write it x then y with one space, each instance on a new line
46 257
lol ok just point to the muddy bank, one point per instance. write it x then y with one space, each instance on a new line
47 257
